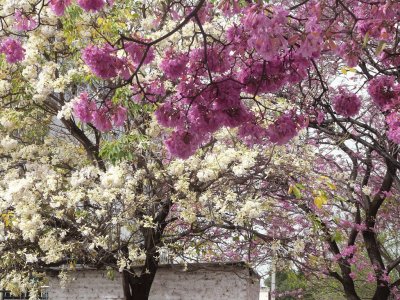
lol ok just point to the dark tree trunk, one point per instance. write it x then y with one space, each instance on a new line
349 288
137 287
382 291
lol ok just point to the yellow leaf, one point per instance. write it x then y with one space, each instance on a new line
345 70
320 200
290 191
331 186
100 21
7 218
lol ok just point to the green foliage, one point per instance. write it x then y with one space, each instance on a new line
290 280
296 190
121 149
313 288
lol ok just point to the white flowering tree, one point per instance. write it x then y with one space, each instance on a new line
64 201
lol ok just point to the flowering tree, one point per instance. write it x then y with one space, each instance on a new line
207 65
61 206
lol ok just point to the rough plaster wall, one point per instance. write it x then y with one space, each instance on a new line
87 285
169 284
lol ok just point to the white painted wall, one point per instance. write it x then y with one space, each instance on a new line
201 281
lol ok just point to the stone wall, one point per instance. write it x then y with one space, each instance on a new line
200 281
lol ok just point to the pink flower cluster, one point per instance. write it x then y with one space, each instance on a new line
104 118
284 128
59 6
258 58
264 77
393 121
346 103
310 47
174 65
103 62
252 133
265 33
350 52
138 53
150 92
12 49
22 22
384 92
91 5
194 118
183 143
348 251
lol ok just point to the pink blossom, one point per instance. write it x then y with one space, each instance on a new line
371 277
393 121
119 116
101 119
311 45
360 227
385 277
233 116
352 275
84 107
138 53
384 92
174 64
350 52
264 78
169 115
59 6
265 33
91 5
345 223
282 130
151 91
346 103
320 117
217 60
183 143
203 118
22 22
252 133
103 62
12 49
348 251
229 7
297 67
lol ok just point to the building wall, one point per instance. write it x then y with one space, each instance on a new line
171 283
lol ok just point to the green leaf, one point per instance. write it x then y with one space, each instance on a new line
380 47
366 39
337 236
296 192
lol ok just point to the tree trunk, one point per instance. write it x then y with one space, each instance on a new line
349 289
382 293
137 287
